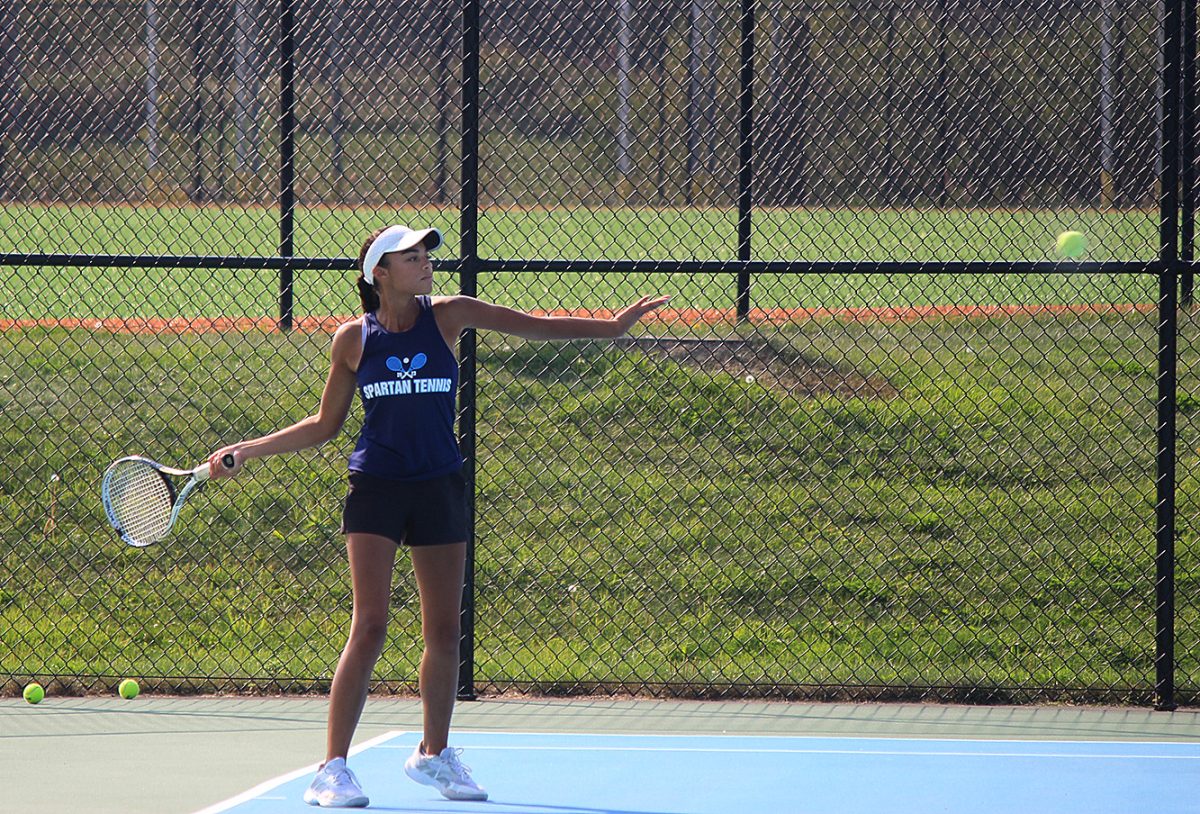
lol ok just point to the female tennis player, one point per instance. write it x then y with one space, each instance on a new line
405 486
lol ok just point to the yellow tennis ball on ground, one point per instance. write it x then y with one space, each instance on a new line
34 693
128 688
1071 244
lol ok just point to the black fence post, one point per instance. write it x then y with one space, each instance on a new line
468 284
1164 580
745 157
1164 576
287 158
1187 181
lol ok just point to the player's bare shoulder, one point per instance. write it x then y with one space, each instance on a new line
449 304
347 343
454 313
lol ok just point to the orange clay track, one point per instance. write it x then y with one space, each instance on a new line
672 316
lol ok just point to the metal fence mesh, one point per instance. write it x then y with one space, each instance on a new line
883 480
947 506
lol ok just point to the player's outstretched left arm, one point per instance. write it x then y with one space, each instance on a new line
468 312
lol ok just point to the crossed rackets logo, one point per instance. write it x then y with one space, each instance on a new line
406 368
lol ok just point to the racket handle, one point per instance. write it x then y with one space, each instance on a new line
228 461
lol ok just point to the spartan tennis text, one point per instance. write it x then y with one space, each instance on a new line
404 387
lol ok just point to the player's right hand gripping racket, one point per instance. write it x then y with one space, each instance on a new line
141 498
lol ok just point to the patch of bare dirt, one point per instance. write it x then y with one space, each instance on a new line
798 374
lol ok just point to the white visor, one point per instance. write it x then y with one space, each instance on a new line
397 239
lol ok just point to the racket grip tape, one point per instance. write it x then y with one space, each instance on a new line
228 461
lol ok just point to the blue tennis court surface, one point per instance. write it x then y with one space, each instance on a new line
704 774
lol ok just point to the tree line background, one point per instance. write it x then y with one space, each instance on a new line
946 103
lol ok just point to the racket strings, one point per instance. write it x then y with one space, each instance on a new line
140 501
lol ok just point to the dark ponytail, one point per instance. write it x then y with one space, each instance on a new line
366 291
368 295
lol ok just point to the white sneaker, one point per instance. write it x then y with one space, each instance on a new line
445 773
335 786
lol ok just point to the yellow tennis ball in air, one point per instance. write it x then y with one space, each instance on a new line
34 693
1071 244
128 688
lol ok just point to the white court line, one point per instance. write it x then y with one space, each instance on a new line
887 752
894 738
262 788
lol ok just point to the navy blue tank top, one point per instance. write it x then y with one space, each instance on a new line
409 386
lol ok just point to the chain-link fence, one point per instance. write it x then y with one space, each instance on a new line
885 441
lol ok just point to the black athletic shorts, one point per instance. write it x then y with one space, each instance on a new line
415 513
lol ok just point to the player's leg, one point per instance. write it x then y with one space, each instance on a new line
439 570
372 558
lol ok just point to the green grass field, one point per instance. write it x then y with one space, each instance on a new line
641 519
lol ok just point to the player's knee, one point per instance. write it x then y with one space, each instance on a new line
442 636
368 632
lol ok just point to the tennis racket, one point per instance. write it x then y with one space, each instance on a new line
142 499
